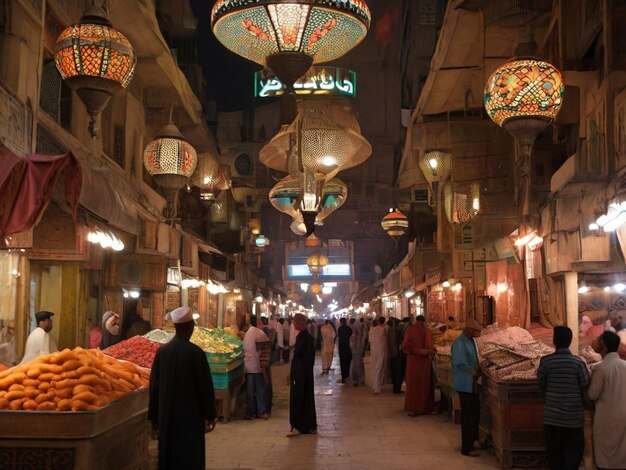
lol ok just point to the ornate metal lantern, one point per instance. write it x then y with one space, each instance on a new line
316 263
395 223
95 60
288 36
211 178
171 161
524 96
461 201
327 136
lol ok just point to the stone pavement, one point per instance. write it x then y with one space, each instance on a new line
357 430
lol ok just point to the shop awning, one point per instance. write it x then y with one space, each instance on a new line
27 183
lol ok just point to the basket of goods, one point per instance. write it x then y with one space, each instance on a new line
138 350
219 346
159 336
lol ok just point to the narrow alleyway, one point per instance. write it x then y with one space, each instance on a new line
356 430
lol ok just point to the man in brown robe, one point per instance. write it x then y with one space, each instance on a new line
418 346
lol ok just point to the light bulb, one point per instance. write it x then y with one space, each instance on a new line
583 289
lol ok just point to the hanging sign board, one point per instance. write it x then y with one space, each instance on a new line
319 80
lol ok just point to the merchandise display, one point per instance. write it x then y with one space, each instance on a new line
159 336
219 346
69 380
139 350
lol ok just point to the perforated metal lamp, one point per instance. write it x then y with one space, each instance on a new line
329 138
524 96
435 165
171 161
95 60
288 36
461 201
316 263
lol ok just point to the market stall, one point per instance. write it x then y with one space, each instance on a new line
74 409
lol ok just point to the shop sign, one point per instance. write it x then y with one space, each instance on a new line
318 81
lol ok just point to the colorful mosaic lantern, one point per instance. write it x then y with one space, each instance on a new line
330 141
289 36
395 223
95 59
524 96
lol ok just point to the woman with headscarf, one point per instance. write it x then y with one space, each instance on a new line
110 329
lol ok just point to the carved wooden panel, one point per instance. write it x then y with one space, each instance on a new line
133 270
15 122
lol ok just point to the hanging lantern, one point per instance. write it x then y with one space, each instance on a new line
261 241
395 223
461 201
316 288
311 241
329 138
255 226
435 165
171 161
288 196
95 60
316 263
524 96
211 178
289 36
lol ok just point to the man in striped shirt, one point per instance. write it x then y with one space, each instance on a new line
564 379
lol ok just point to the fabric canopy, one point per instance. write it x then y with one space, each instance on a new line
27 183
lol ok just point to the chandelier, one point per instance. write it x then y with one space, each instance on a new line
289 197
324 139
524 96
461 201
171 161
288 36
95 60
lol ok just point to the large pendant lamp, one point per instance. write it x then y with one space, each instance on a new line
461 201
171 161
288 36
95 60
524 96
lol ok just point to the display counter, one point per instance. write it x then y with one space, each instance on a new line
114 436
228 377
511 415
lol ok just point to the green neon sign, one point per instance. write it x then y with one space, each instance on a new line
319 80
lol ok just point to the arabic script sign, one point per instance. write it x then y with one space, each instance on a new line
321 80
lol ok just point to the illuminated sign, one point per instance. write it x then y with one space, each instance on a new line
322 80
300 271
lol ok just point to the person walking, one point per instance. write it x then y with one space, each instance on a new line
608 382
564 379
357 369
302 415
255 382
419 346
181 404
328 346
378 349
39 342
265 361
393 351
466 372
345 354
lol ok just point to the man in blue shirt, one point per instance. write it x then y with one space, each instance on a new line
564 379
466 372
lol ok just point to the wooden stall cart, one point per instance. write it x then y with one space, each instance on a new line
511 415
115 436
227 381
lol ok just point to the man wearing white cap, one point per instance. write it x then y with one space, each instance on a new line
182 401
466 372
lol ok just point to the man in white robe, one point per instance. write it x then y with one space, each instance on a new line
608 383
378 349
39 341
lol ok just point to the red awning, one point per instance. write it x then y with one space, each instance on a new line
26 184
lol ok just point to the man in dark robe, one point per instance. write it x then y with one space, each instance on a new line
182 401
302 416
345 355
419 348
